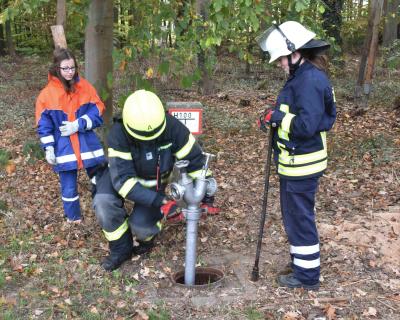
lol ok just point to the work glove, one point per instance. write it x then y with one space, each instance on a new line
171 211
50 156
265 120
69 127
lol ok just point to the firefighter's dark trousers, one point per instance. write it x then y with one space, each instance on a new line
143 222
297 205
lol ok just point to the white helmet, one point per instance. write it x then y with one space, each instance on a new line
282 40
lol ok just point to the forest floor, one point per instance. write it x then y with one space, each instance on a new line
50 269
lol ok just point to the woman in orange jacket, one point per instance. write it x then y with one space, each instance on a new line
67 111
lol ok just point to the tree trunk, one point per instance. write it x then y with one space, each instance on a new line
363 87
61 13
58 36
333 19
391 21
98 53
206 85
9 39
2 41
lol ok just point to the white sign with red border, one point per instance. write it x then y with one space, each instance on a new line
191 118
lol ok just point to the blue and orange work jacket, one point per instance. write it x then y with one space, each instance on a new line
53 106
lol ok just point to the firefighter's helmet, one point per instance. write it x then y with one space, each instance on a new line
286 38
143 115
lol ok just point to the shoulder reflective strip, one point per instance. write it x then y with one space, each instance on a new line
303 170
67 158
127 187
92 154
47 139
186 148
117 234
284 108
306 264
70 199
165 146
93 180
89 122
118 154
286 121
333 93
304 249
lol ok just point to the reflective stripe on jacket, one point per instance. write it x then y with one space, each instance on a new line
53 106
304 112
133 163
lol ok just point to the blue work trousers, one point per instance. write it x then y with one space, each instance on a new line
144 222
298 213
69 194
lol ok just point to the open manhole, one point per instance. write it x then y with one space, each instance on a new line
204 277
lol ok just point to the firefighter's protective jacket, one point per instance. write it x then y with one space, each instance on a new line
53 106
135 165
305 111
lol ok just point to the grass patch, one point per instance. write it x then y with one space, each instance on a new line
381 148
32 151
253 314
5 156
160 313
3 205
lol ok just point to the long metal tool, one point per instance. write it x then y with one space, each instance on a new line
255 274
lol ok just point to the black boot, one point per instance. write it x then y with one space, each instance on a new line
143 247
120 251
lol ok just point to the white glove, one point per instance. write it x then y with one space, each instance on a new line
50 156
69 128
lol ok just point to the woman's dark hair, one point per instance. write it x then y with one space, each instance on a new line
316 58
58 56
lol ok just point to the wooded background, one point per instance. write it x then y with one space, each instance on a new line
158 40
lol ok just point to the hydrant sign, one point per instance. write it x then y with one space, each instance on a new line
191 118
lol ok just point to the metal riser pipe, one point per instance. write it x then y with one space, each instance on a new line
191 247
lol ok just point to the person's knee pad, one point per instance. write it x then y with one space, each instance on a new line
107 207
143 233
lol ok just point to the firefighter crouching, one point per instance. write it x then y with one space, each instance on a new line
142 149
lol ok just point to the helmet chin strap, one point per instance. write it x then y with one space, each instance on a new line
293 66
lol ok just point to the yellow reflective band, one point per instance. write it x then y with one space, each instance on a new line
283 134
165 147
196 174
303 170
333 93
186 148
118 154
115 235
287 159
323 138
286 121
284 108
127 187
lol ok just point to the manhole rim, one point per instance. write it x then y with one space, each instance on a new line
202 270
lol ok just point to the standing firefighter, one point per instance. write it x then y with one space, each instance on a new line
67 111
305 110
142 149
